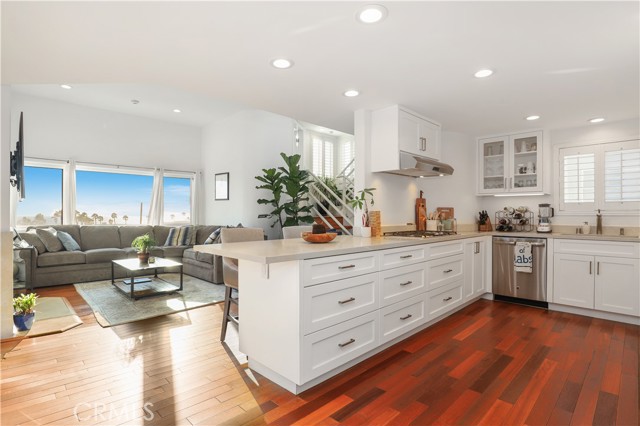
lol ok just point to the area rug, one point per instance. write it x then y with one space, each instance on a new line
53 315
111 307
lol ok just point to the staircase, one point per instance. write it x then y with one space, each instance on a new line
339 215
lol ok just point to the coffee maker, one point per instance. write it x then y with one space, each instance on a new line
545 213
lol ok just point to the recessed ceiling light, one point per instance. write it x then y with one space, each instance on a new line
282 63
351 93
65 86
135 101
177 110
372 13
532 117
483 73
596 120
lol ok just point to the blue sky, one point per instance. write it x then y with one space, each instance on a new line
104 194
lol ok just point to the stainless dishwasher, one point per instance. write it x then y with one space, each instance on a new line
510 285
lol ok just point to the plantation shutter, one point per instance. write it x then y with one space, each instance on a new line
577 175
622 176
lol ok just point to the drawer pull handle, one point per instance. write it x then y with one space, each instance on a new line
342 302
448 270
447 299
407 283
346 267
406 317
408 256
348 342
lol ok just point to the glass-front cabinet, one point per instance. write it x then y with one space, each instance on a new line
510 164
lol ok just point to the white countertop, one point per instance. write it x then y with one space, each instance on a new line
274 251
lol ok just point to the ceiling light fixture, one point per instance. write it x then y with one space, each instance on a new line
177 110
135 101
65 86
281 63
483 73
596 120
532 117
351 93
371 14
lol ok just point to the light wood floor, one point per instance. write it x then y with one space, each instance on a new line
492 363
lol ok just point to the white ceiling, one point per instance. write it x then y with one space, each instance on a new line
565 61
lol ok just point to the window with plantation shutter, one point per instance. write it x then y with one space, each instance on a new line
317 157
604 176
622 175
328 159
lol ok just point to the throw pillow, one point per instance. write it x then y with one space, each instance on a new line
50 239
33 240
186 236
214 238
68 242
172 238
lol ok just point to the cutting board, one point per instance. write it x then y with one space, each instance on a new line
446 212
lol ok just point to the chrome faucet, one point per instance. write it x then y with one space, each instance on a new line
599 223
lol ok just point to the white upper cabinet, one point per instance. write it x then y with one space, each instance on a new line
510 164
396 129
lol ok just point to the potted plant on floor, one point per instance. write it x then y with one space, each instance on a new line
23 313
360 202
143 243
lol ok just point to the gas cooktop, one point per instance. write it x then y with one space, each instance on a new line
418 234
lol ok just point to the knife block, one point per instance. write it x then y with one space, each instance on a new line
486 227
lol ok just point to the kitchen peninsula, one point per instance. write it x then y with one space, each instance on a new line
310 311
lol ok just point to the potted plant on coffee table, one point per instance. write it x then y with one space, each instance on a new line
23 313
143 243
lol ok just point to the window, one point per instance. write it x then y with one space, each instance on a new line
605 176
347 153
322 163
106 197
177 200
43 203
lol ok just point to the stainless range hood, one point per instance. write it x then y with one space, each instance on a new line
417 166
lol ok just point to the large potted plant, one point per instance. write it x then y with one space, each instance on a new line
143 243
293 182
23 312
360 202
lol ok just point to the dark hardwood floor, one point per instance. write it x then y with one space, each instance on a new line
491 363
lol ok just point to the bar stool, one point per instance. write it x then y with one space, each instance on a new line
295 231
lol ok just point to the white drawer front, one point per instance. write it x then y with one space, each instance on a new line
333 268
402 256
399 318
401 283
438 250
444 271
330 348
330 303
597 248
444 299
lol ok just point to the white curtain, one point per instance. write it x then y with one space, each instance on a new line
69 199
156 209
196 198
13 205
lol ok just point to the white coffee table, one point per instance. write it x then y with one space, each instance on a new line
140 287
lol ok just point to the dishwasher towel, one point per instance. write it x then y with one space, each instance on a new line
523 258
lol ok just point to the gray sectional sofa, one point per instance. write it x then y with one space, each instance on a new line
100 244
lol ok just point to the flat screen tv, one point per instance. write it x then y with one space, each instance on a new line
16 164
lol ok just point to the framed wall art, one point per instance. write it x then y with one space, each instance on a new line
222 186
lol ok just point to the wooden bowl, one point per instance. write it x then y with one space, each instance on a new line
318 238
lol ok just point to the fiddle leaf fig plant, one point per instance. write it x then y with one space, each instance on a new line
272 181
296 185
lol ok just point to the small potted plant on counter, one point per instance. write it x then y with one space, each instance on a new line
360 202
143 243
23 313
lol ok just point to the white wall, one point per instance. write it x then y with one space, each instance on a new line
59 130
457 190
243 145
6 251
600 133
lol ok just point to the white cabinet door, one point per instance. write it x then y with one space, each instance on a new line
493 165
474 268
409 134
573 280
617 285
429 134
